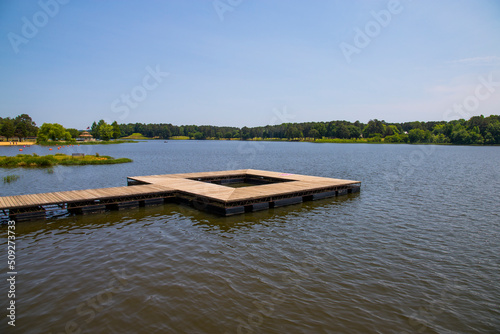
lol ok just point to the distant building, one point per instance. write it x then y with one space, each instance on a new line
85 136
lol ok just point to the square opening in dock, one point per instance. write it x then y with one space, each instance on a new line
240 181
238 191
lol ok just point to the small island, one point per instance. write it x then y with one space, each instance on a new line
35 160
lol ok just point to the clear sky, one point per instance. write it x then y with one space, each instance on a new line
248 62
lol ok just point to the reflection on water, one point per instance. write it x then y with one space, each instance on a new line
415 251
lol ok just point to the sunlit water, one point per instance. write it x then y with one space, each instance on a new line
416 251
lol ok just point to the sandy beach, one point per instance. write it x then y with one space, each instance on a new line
22 143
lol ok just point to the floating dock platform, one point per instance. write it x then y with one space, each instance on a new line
225 193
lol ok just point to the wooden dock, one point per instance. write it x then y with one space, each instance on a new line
209 191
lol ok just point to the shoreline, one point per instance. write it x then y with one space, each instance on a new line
58 143
330 141
17 143
318 141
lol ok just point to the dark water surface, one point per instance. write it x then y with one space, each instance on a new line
416 251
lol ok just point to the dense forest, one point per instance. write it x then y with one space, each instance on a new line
478 130
22 127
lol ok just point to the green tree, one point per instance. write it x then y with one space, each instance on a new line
394 129
314 133
391 130
373 128
354 131
54 132
493 133
478 122
245 133
7 128
331 130
116 130
292 132
388 131
416 136
343 131
321 128
94 130
105 131
440 139
165 132
438 129
461 136
21 130
73 132
25 127
475 136
395 138
198 135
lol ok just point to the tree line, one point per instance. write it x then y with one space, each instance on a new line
21 126
478 130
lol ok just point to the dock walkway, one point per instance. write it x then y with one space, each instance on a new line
209 191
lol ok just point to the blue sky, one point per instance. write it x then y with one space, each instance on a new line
248 62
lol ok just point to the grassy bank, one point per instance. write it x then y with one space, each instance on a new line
136 136
179 138
26 160
65 143
339 140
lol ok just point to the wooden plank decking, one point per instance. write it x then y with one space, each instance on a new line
76 196
192 188
292 184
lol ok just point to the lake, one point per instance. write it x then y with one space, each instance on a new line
416 251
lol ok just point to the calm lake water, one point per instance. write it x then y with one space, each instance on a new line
416 251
